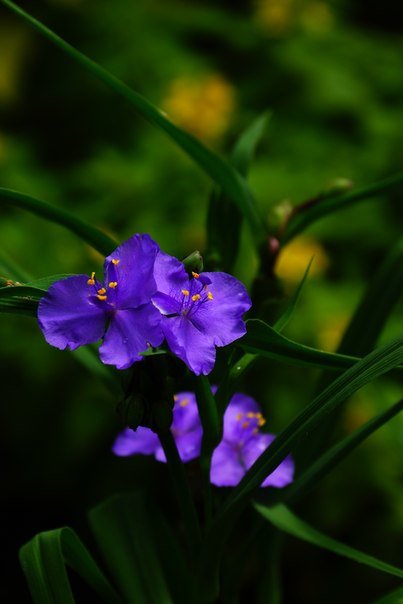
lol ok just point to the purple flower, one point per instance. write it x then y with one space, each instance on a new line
199 313
186 429
242 444
80 309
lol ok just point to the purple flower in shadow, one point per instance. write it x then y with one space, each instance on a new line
80 310
242 444
198 313
186 430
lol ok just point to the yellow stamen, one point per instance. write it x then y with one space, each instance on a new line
195 275
176 397
91 280
196 297
245 425
184 402
210 296
113 284
102 298
185 292
102 291
261 422
115 262
239 416
251 414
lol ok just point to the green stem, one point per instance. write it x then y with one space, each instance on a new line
211 437
182 491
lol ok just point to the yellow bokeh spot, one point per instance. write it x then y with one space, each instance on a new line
276 16
294 259
203 106
330 333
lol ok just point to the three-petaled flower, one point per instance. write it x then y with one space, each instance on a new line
199 312
81 310
242 443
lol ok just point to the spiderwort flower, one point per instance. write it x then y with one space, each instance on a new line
198 312
242 444
186 429
80 310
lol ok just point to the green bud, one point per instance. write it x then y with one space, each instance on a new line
193 262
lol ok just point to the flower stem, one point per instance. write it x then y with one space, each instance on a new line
211 437
183 494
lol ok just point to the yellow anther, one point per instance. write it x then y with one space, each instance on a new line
239 416
185 292
113 284
91 280
176 397
210 296
102 291
261 422
196 297
184 402
195 275
115 262
102 298
251 414
245 425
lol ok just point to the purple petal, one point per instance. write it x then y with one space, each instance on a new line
67 316
130 442
221 317
235 417
226 468
282 475
185 413
131 266
170 275
129 333
188 444
189 344
166 304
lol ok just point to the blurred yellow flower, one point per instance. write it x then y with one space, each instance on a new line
294 259
330 333
14 47
203 106
279 17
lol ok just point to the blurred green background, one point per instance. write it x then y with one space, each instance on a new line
331 73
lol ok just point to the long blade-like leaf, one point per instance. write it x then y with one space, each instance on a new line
393 597
265 341
308 213
94 237
224 217
364 371
310 477
220 171
286 521
44 560
123 532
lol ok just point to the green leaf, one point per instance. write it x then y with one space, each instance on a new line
224 217
45 559
94 237
286 521
322 466
303 216
123 531
220 172
393 597
265 341
23 299
10 269
364 371
281 323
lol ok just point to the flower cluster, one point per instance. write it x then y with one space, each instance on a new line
146 296
242 443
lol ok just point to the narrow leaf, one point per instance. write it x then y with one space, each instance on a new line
45 559
94 237
286 521
308 213
322 466
123 532
219 171
393 597
265 341
281 323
